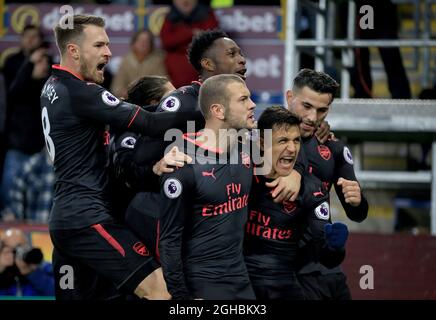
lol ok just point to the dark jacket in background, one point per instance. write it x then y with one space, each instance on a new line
23 129
38 283
176 35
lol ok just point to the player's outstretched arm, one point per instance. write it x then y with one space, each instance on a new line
93 102
175 195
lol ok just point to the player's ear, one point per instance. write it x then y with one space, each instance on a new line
73 50
218 111
208 64
289 95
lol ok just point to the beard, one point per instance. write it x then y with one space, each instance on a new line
87 75
236 124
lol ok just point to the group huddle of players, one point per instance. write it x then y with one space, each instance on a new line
187 225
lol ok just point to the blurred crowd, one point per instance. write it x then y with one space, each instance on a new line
26 176
23 271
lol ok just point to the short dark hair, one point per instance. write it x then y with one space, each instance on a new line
64 35
143 91
201 43
215 91
276 117
317 81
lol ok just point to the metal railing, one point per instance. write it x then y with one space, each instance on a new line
388 118
293 45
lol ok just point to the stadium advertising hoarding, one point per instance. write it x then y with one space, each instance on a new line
256 29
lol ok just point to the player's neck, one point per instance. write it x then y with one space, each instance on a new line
304 139
218 138
71 66
204 76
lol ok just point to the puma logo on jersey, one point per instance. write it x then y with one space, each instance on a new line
209 174
318 193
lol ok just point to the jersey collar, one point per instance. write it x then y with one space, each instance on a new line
199 83
191 137
59 67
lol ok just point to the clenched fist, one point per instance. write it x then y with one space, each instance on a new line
351 191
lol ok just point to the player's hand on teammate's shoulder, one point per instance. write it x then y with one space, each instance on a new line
351 191
174 158
286 188
323 132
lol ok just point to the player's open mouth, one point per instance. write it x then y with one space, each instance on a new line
241 73
251 117
286 160
101 66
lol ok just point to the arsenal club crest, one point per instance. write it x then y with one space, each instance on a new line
289 206
324 152
141 249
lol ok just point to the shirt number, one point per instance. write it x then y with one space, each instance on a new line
46 129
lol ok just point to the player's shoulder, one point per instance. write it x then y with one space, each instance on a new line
54 90
83 88
314 197
335 145
84 91
191 89
312 188
340 150
179 172
179 98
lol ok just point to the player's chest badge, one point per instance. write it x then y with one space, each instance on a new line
324 152
289 206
